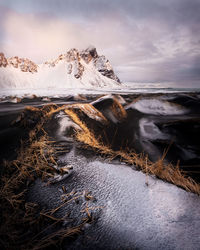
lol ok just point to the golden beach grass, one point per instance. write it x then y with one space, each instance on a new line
160 169
36 159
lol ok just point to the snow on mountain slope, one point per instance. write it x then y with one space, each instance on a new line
74 69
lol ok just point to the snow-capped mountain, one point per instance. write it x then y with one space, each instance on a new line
84 69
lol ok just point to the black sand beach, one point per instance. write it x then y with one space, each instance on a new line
90 194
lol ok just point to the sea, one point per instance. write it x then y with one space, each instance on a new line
60 92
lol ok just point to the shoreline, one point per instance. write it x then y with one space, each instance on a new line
23 93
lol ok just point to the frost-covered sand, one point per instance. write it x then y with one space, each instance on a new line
138 212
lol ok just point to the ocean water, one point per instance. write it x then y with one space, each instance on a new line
61 92
164 90
162 87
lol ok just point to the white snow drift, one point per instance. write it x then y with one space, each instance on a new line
53 77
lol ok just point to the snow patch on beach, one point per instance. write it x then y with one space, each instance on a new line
149 130
157 107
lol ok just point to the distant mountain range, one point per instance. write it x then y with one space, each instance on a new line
75 69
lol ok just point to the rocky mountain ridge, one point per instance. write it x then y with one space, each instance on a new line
24 64
73 58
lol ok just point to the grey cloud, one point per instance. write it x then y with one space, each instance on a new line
186 11
144 40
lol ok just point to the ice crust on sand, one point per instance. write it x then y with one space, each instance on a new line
134 215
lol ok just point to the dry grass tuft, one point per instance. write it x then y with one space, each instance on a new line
23 225
89 111
160 169
59 233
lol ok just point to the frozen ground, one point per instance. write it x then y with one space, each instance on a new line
136 215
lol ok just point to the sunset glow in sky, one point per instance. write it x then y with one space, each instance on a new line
145 40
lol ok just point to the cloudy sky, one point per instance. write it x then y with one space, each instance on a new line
145 40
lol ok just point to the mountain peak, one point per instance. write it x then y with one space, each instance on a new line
89 54
73 69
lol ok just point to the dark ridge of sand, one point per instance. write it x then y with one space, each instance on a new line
10 136
181 131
